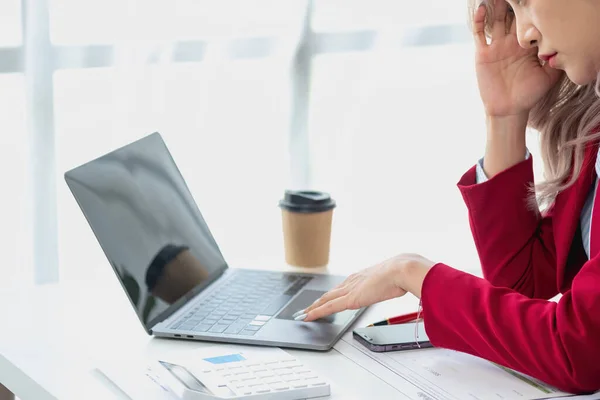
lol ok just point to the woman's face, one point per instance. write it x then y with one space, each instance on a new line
570 29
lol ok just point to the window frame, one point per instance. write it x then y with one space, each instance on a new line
39 59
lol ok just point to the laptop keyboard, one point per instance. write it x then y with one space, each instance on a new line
246 302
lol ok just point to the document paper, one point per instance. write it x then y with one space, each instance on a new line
440 374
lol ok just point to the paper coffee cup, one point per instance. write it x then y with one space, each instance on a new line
306 218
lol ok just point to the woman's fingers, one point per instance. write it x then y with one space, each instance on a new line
329 296
499 23
331 307
479 26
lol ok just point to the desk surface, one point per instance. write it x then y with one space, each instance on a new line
52 337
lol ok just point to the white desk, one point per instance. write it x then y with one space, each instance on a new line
51 336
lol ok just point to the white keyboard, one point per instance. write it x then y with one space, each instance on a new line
257 374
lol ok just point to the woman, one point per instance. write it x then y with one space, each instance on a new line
538 67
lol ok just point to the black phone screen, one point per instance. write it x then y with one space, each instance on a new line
393 337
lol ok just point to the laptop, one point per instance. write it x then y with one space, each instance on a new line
162 251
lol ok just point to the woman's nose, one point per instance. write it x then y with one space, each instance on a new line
528 36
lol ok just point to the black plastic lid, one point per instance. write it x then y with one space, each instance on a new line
306 201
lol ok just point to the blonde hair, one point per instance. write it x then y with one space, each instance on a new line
567 117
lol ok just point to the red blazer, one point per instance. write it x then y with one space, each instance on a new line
527 258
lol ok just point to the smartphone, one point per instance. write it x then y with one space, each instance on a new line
392 337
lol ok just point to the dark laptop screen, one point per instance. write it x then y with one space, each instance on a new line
148 225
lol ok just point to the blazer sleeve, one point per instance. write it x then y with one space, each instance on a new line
556 343
509 235
480 172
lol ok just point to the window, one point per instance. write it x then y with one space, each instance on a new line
383 133
265 94
223 123
345 15
76 22
15 201
10 23
384 139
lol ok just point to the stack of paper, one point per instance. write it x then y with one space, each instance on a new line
446 375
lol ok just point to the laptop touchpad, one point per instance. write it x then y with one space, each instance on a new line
305 299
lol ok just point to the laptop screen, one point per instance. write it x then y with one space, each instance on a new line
149 226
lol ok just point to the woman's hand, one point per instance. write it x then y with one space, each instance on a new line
511 79
392 278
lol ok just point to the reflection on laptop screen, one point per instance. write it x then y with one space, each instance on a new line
148 224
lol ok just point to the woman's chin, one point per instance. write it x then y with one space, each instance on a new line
581 78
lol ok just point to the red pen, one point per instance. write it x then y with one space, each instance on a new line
400 319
